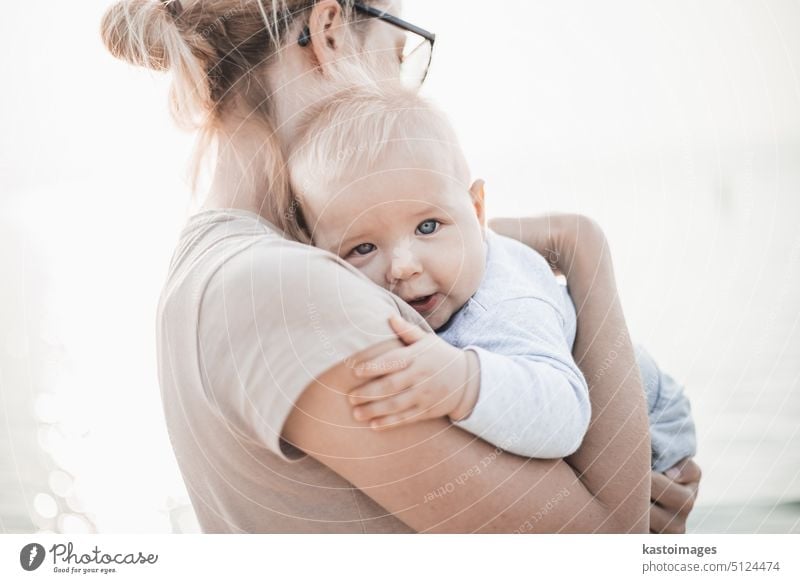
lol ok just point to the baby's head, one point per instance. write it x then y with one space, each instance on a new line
383 183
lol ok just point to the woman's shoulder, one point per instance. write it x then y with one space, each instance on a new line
241 244
233 271
247 251
236 259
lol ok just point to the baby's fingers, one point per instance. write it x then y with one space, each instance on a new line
382 388
391 362
391 421
384 407
406 331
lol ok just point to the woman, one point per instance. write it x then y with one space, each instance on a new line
259 333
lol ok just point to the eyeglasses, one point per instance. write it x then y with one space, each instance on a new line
418 48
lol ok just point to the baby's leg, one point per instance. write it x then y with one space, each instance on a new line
672 432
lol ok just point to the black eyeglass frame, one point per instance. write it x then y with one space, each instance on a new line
305 35
394 20
399 23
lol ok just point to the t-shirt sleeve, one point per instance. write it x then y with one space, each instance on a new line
271 320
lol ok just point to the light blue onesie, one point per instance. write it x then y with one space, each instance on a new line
534 400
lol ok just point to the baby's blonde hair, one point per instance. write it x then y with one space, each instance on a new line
362 125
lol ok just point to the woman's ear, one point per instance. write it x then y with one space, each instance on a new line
325 26
477 193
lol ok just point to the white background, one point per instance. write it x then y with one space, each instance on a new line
676 124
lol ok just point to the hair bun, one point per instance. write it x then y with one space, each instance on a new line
137 31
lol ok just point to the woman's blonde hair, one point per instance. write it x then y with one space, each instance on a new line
217 52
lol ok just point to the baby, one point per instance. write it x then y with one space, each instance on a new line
383 184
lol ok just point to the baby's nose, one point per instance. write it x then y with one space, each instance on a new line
403 270
404 265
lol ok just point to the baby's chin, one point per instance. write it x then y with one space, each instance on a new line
436 308
438 318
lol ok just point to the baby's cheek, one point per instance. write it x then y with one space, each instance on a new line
445 272
375 272
470 276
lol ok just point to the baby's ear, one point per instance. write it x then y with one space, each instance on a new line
477 193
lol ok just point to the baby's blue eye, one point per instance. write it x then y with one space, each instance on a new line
427 227
363 249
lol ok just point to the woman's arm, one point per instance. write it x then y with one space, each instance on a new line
575 245
435 477
672 493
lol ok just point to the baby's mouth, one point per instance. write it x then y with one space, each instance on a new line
424 304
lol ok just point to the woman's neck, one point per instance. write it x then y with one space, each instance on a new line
249 168
250 171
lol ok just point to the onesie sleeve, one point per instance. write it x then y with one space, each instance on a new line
672 431
533 399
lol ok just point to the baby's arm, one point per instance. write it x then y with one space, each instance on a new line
533 399
427 378
672 431
524 393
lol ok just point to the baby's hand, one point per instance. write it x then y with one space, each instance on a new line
425 379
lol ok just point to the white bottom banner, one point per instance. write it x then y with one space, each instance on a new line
356 558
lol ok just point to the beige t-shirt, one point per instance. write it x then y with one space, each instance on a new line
247 319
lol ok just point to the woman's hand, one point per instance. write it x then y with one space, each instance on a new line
425 379
672 497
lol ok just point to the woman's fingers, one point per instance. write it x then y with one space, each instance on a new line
406 331
672 501
408 416
664 522
685 471
670 495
